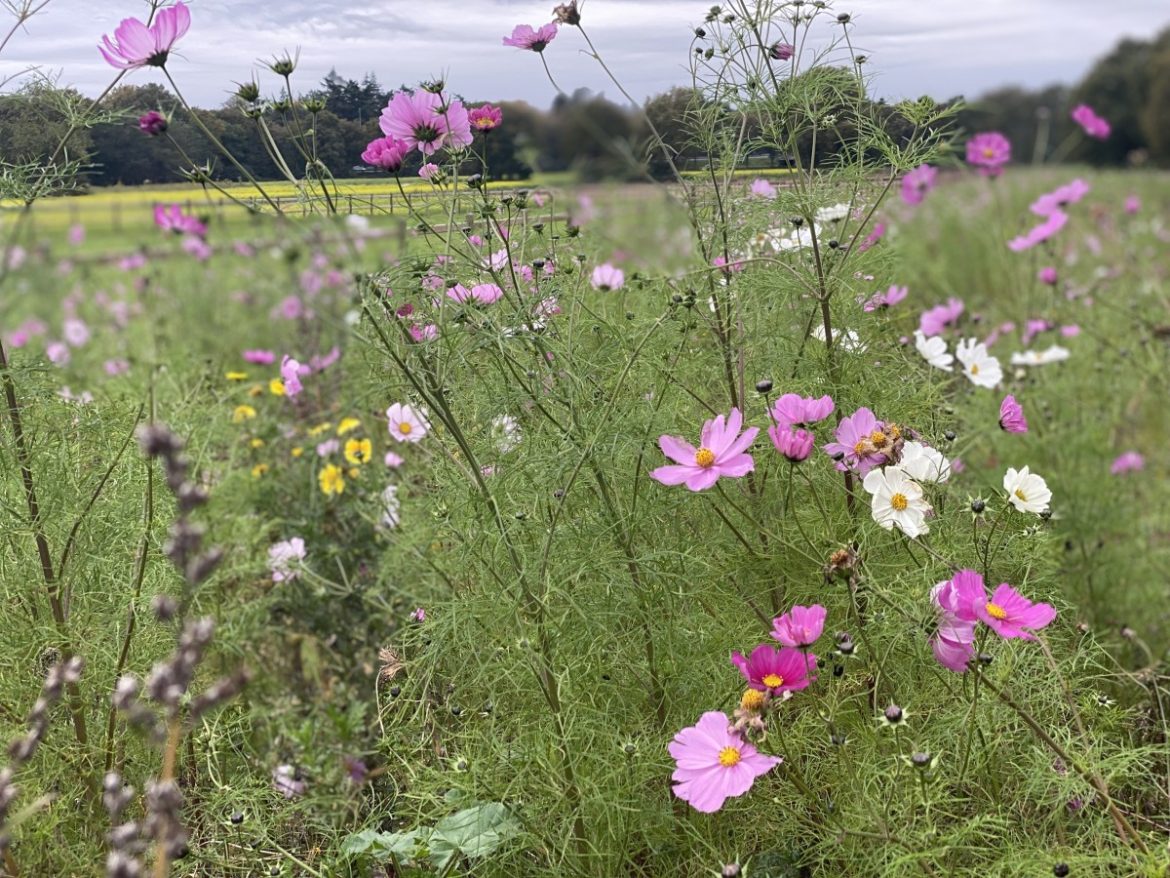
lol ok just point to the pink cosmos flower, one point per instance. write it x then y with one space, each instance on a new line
284 559
152 123
714 764
776 671
1033 327
782 51
1011 416
800 626
116 367
392 460
728 268
58 353
419 615
1130 461
854 439
486 118
290 375
796 445
606 277
721 452
989 151
1059 198
172 219
1048 275
1092 124
138 45
484 294
197 247
77 234
878 232
524 37
328 447
935 320
423 333
430 171
76 332
889 298
761 188
954 641
321 362
792 410
1011 615
1070 331
386 153
1132 204
917 184
407 424
1041 233
259 357
422 120
287 781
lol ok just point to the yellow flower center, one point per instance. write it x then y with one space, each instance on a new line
862 448
995 611
899 502
404 428
772 681
1019 492
988 152
704 457
878 439
974 368
729 756
752 699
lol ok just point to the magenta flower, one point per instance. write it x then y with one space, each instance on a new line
761 188
714 764
776 671
800 626
1041 233
889 298
782 51
260 357
796 445
422 120
1130 461
486 118
935 320
1132 204
290 374
153 123
954 641
1011 615
792 410
524 37
989 151
607 277
721 452
116 367
172 219
1059 198
485 294
858 436
1048 275
917 184
386 153
878 232
1011 416
141 46
1092 124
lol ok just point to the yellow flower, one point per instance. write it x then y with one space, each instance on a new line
331 480
319 429
236 376
257 442
255 390
358 451
348 425
243 413
297 452
259 469
276 387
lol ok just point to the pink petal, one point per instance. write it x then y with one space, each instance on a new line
702 479
672 475
741 444
677 450
736 467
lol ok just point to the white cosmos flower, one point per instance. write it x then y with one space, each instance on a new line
1026 491
846 339
923 463
897 500
797 239
506 433
979 366
832 213
390 508
1053 354
934 350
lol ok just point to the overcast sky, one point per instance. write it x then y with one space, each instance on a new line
937 47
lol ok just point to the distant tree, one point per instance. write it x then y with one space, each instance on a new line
1155 115
1118 87
34 119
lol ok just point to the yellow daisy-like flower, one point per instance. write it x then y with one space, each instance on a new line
243 413
256 390
319 429
257 442
297 452
236 376
332 480
276 387
259 469
348 425
359 451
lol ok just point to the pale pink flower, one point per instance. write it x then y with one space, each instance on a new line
422 120
792 410
721 452
854 442
392 460
1092 124
172 219
1130 461
1060 198
430 171
606 277
800 626
761 188
116 367
387 153
524 37
918 183
284 559
889 298
259 357
407 424
935 320
137 45
714 763
1041 233
290 373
